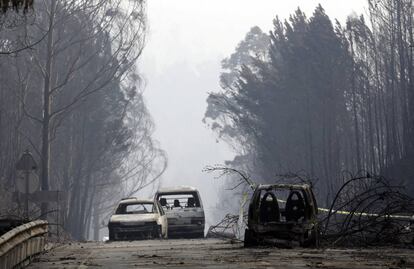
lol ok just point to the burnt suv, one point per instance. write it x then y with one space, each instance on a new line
282 214
184 211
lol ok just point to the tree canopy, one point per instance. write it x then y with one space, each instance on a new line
321 98
16 5
76 101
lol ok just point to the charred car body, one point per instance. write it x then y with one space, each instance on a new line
137 219
282 213
184 211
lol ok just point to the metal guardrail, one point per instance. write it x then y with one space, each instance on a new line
23 242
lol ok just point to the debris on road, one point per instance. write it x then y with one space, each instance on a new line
366 211
214 253
369 211
227 228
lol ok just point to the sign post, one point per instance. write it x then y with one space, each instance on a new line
27 165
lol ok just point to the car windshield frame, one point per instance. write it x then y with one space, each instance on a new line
182 197
122 208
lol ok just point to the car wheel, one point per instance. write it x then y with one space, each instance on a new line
158 232
312 240
196 235
249 239
111 235
200 235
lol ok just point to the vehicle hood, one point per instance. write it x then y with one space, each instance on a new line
134 218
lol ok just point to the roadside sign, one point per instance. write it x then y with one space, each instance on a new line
42 196
33 182
48 196
27 165
26 162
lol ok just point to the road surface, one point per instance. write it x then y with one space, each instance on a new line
212 253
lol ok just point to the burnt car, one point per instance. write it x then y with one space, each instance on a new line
184 211
136 219
282 214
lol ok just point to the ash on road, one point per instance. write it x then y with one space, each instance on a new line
209 253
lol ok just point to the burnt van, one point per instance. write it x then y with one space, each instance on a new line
184 211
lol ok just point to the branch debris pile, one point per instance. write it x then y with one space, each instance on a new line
366 211
228 228
369 211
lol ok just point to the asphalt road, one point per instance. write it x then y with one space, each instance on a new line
211 253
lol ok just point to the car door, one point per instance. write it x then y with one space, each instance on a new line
163 220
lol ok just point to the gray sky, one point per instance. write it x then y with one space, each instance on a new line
187 39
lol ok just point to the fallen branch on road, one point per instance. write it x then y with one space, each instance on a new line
366 211
228 228
369 211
